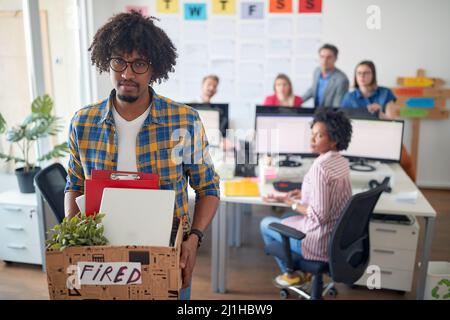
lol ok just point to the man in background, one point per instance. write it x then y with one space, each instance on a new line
329 83
209 88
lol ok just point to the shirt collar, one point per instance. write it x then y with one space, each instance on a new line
359 93
328 75
155 115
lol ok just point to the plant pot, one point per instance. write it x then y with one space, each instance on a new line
26 179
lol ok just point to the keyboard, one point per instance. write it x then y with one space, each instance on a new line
286 186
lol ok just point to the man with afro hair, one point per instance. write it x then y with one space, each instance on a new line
137 130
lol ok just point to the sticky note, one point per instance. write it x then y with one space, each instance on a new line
252 10
241 188
413 113
410 92
310 6
142 9
417 82
224 7
167 6
280 6
420 103
195 11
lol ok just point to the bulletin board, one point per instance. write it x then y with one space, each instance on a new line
245 43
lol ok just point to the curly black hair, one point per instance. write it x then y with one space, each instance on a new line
339 127
126 32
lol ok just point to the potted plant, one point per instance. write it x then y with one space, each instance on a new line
39 124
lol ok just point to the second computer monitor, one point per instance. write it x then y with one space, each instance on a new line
283 134
376 140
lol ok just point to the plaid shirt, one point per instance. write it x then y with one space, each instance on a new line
171 143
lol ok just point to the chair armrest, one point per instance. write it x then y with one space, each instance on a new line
286 231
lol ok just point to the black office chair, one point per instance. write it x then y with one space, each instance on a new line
348 249
51 182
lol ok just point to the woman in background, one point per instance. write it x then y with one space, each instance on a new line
367 94
326 190
283 93
378 101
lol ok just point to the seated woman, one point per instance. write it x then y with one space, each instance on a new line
378 101
283 95
367 94
325 192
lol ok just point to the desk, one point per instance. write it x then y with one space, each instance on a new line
386 204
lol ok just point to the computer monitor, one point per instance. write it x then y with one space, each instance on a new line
362 113
374 139
282 110
283 133
221 108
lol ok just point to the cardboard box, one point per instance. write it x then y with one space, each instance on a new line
115 272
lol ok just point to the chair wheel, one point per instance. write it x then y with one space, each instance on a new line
284 294
333 292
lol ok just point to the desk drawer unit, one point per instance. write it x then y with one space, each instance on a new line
394 235
390 278
393 249
19 234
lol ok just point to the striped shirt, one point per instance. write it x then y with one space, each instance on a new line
171 143
326 189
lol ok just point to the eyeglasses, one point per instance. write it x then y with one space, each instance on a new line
364 73
139 66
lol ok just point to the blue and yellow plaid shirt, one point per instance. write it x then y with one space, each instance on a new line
171 143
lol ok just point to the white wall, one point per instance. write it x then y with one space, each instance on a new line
413 34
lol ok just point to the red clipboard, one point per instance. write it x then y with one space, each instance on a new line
115 179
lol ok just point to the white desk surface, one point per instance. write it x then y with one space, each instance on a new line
386 204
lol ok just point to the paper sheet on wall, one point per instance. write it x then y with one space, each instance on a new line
223 27
309 25
307 46
223 68
252 51
279 46
251 90
170 88
194 52
193 31
253 30
222 48
304 67
280 26
171 26
226 91
276 66
250 70
191 91
301 84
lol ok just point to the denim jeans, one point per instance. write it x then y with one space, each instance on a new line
269 236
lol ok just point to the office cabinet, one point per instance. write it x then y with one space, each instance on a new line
393 250
19 228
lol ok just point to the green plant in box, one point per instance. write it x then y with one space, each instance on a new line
81 230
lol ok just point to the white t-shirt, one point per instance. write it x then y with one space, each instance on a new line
127 132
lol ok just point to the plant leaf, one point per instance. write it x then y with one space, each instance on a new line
2 124
58 151
42 105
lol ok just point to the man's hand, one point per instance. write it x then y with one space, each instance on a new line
187 259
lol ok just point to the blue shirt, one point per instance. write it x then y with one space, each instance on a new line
355 99
321 87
